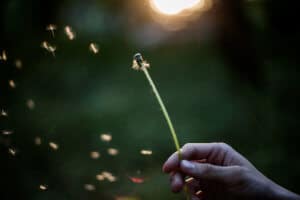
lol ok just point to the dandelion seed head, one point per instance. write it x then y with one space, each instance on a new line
53 146
69 32
12 83
146 152
30 104
89 187
106 137
43 187
112 151
94 155
139 63
93 47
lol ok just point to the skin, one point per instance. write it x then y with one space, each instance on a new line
220 173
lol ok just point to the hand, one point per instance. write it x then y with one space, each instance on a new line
217 171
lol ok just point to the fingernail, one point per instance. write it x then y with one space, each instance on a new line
187 165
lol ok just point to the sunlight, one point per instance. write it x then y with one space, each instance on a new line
173 7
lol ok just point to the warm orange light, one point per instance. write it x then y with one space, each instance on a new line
173 7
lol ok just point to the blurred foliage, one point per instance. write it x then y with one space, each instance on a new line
231 74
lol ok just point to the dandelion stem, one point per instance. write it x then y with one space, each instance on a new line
164 110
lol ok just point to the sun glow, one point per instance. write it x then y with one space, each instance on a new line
173 7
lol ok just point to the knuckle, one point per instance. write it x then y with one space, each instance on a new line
223 146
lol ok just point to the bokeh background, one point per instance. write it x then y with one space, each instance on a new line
228 71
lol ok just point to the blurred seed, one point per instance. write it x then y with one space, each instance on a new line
89 187
18 64
106 137
100 177
48 47
112 151
95 155
146 152
12 83
94 48
43 187
37 141
70 33
6 132
188 180
199 192
53 145
51 28
3 113
30 104
12 151
3 56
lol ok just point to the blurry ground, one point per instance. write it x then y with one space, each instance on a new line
230 74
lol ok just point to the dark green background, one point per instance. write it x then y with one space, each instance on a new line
231 75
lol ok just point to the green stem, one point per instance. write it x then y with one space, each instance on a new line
168 119
164 110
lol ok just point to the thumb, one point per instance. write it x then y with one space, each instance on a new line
207 171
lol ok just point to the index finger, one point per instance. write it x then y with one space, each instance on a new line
190 151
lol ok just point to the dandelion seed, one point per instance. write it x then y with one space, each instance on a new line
37 141
100 177
112 151
146 152
6 132
51 28
43 187
106 137
94 155
12 151
137 180
3 56
93 47
53 145
108 176
126 198
30 104
199 192
89 187
3 113
48 47
70 33
18 64
12 83
188 180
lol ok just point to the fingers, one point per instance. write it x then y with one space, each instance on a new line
177 182
194 151
204 171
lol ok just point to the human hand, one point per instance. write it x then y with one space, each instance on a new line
217 171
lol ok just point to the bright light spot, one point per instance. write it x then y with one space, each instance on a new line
173 7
